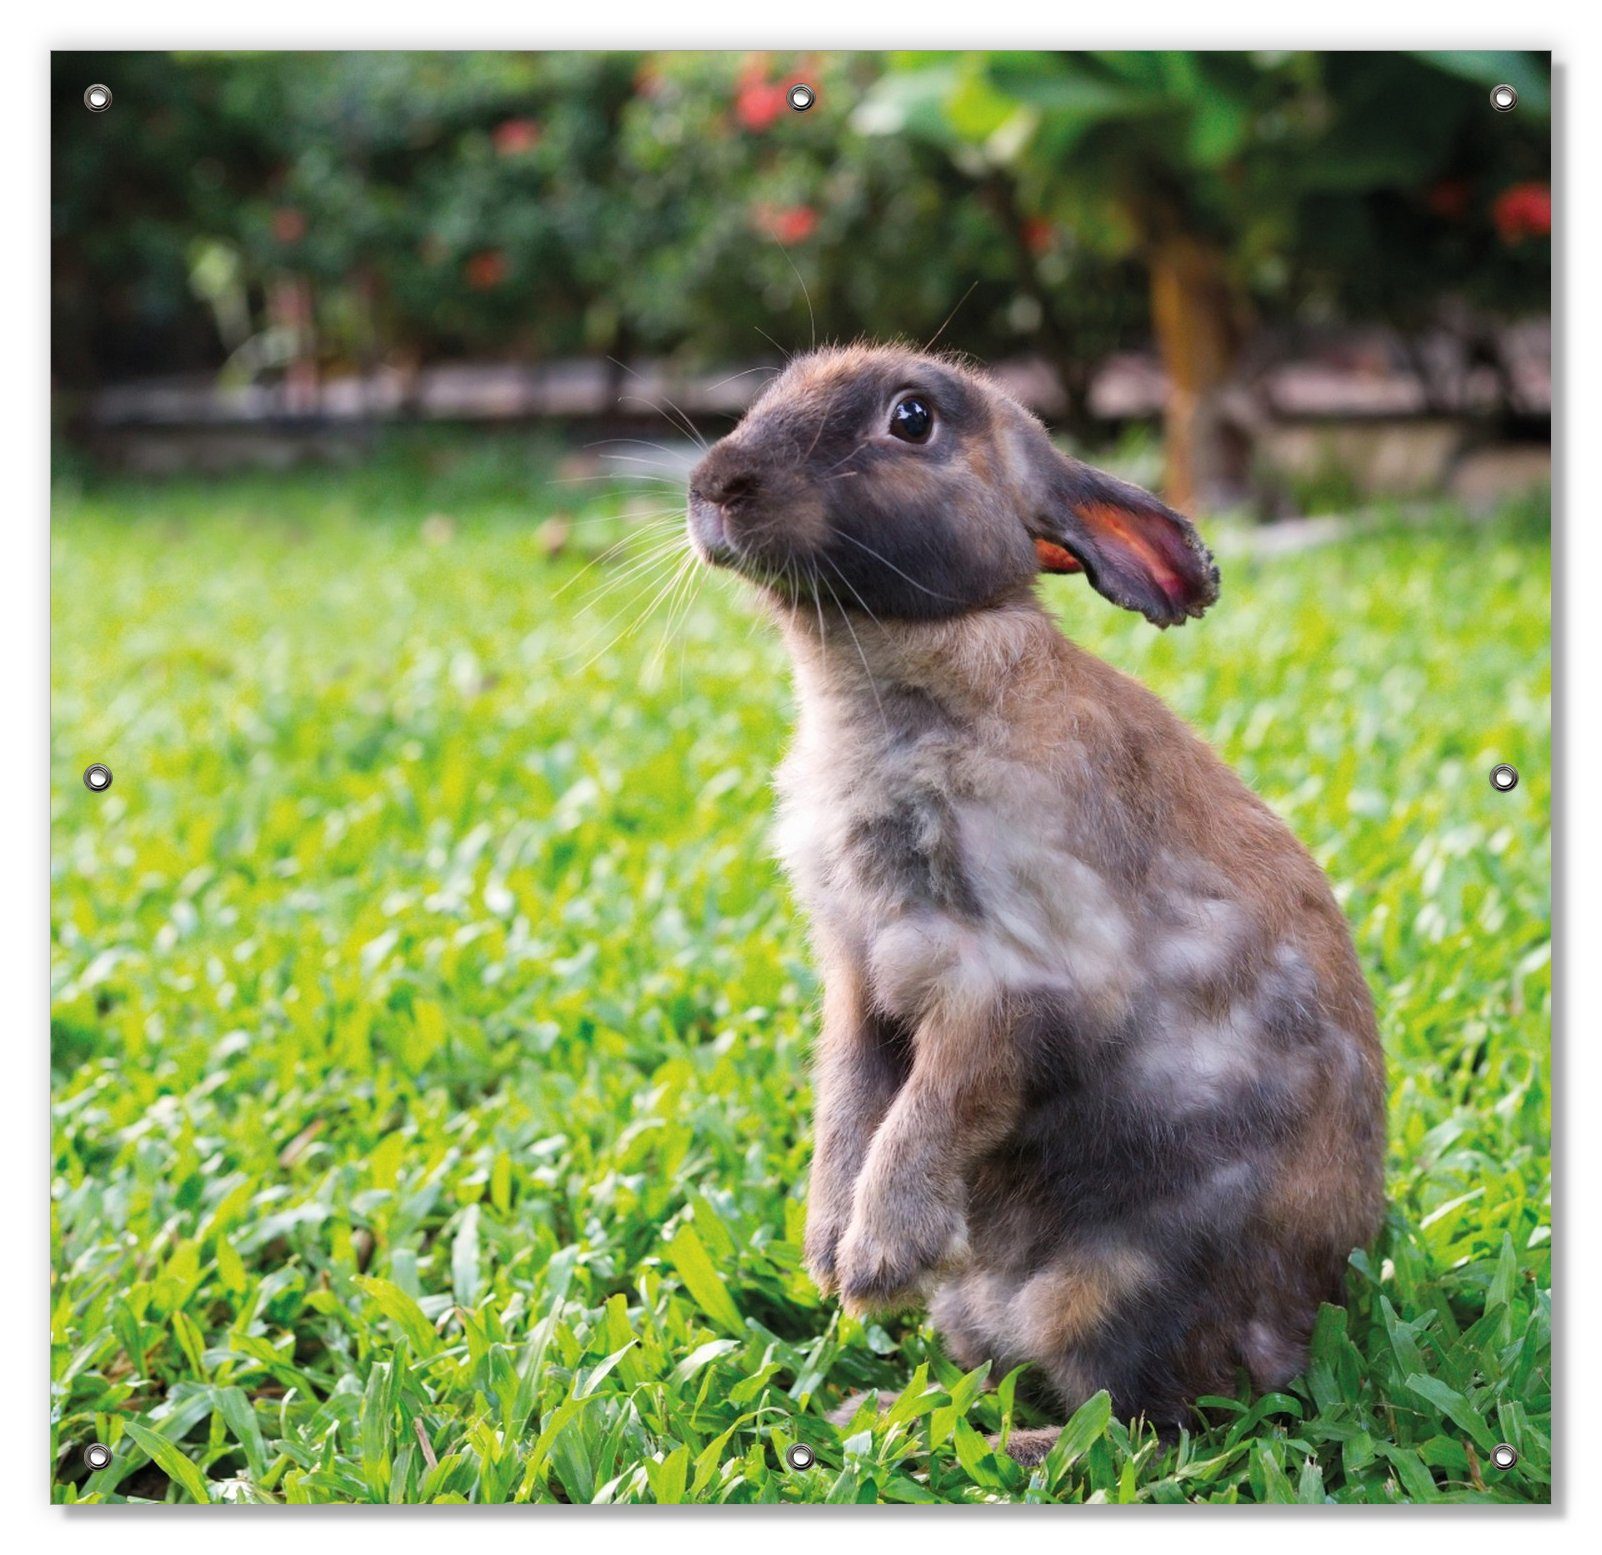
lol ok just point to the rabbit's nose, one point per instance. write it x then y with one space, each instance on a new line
727 487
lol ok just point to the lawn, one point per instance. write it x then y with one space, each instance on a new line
430 1115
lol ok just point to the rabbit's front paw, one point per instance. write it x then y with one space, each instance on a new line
821 1249
890 1259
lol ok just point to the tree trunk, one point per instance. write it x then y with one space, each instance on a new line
1194 311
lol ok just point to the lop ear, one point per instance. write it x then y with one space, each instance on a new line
1136 551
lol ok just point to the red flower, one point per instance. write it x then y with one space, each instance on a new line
788 223
289 225
515 136
1449 199
1523 211
1037 234
487 270
758 103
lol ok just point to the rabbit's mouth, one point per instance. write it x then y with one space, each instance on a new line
710 534
722 540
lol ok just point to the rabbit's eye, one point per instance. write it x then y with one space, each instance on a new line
911 420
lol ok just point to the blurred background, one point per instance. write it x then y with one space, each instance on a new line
1278 280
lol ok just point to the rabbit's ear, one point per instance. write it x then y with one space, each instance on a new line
1135 550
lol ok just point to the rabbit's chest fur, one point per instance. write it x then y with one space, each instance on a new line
937 860
958 858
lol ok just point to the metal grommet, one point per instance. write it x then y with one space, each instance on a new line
801 97
799 1456
1503 98
1504 779
1504 1455
98 1456
97 778
97 98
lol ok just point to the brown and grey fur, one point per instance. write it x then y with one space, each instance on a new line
1098 1078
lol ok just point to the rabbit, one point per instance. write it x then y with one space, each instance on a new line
1099 1080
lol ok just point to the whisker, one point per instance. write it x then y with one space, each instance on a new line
599 609
636 522
669 589
933 594
845 616
791 579
744 373
850 453
675 595
636 459
823 421
683 423
789 356
629 610
812 577
698 582
950 316
627 442
617 476
688 425
637 534
812 318
660 546
598 628
835 567
621 579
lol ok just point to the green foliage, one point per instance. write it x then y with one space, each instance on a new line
1339 184
430 1026
537 204
264 206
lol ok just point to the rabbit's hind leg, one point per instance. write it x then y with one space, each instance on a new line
845 1412
1030 1445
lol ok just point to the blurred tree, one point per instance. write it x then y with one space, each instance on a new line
1237 180
288 212
430 206
750 225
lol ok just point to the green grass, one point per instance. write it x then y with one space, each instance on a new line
430 1024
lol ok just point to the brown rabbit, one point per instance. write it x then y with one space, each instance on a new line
1099 1078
